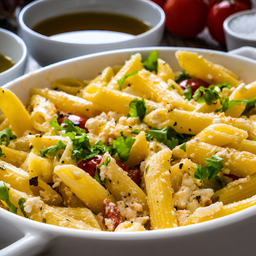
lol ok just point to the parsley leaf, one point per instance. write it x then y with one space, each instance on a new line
4 195
188 93
147 135
212 168
209 95
137 108
67 126
97 176
108 159
1 153
52 151
121 81
221 181
21 204
183 76
226 104
169 136
123 146
6 135
183 146
171 86
151 62
146 170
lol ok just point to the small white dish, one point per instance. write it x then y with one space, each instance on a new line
240 29
12 46
47 50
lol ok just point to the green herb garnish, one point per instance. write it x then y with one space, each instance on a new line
146 170
183 146
121 81
183 76
52 151
21 204
4 195
211 170
138 108
6 135
169 136
123 146
188 93
97 176
147 135
151 62
1 153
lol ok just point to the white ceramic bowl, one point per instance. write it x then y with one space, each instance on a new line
46 50
230 235
13 46
236 37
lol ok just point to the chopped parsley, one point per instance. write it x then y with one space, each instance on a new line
4 195
171 86
21 204
108 159
151 62
97 176
188 93
146 170
183 147
52 151
211 170
138 108
147 135
169 136
6 135
183 76
226 104
123 146
121 81
209 95
1 153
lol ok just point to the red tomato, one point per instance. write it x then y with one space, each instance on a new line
134 174
210 3
90 165
218 13
76 120
159 2
194 83
185 18
112 212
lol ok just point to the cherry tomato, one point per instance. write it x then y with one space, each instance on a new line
218 13
112 212
76 120
159 2
194 84
134 174
210 3
185 18
90 165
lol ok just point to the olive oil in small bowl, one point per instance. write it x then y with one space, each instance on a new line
5 63
91 27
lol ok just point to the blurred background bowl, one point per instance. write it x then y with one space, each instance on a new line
240 29
46 50
12 46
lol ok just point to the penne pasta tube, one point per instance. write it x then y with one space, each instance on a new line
150 84
191 122
84 186
201 68
15 112
164 71
221 135
63 101
158 184
115 100
234 160
119 183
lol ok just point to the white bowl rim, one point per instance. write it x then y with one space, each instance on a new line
146 235
24 51
233 16
152 30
